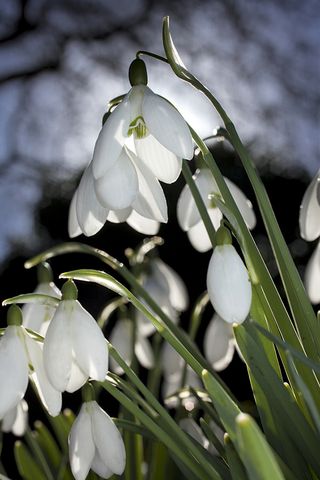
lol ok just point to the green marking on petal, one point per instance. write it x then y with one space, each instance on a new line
138 127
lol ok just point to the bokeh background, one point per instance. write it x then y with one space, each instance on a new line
61 61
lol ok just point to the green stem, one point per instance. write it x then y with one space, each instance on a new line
38 454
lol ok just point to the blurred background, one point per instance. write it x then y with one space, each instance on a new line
62 61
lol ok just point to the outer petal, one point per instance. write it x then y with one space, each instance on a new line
118 216
112 451
81 445
309 219
178 294
99 467
111 139
90 213
36 315
74 228
57 350
121 339
167 125
49 396
192 428
142 224
244 205
219 343
77 378
312 276
172 362
16 419
13 369
150 202
198 235
89 345
165 165
228 284
187 212
118 188
144 352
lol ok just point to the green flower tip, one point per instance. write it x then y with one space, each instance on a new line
138 73
227 439
88 394
223 236
69 291
105 117
44 273
14 315
243 420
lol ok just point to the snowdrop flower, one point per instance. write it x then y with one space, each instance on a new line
168 290
228 282
219 343
190 426
309 221
95 443
36 316
20 357
121 339
189 217
16 420
143 141
74 347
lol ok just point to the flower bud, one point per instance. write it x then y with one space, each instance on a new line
69 291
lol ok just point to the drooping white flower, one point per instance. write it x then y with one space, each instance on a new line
168 290
121 338
95 443
36 316
16 420
189 217
312 276
74 347
219 343
20 357
309 218
228 284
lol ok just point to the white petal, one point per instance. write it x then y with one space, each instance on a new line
150 202
219 343
81 445
34 314
74 228
49 396
144 326
165 165
309 218
108 440
90 213
198 235
77 378
192 428
118 216
228 284
312 276
9 419
144 352
21 421
178 294
187 211
13 369
99 467
88 343
244 205
172 363
142 224
167 125
111 139
121 339
118 188
57 352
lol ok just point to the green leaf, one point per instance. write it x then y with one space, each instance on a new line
236 467
27 467
255 452
48 445
37 298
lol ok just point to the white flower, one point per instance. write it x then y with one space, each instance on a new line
309 218
36 316
228 284
190 426
167 289
219 343
312 276
95 442
121 339
143 141
189 217
74 348
16 420
21 356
